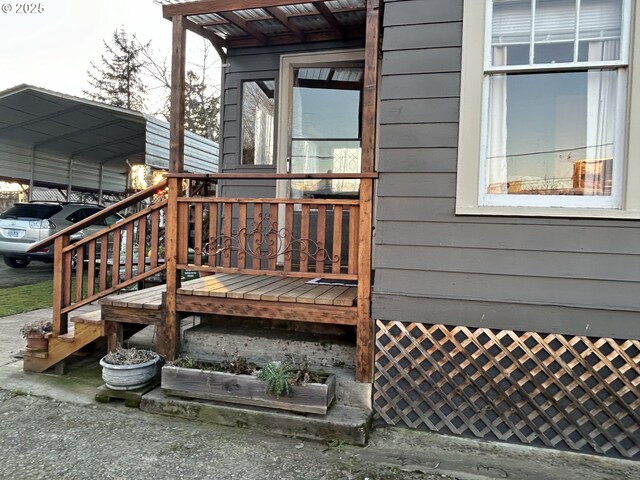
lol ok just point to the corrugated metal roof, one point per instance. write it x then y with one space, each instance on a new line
304 16
66 132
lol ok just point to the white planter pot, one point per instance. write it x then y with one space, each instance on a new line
129 377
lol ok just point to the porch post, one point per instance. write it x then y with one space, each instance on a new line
364 354
168 338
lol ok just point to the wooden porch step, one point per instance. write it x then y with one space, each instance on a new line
89 318
63 346
68 337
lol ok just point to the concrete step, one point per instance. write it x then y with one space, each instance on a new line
341 424
264 345
325 352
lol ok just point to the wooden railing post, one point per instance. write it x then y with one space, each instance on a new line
364 353
168 343
61 284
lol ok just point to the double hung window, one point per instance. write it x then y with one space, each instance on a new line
552 108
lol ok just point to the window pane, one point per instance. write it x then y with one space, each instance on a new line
316 93
257 122
601 20
511 29
551 133
325 128
555 27
554 30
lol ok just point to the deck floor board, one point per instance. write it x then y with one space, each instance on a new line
243 286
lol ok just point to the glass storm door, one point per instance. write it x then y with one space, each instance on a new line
323 127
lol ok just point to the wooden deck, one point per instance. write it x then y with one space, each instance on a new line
261 296
271 289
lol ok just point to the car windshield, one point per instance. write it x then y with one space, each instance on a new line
31 211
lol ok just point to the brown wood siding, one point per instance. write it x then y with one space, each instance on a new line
564 275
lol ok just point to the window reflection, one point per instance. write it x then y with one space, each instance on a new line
325 128
257 122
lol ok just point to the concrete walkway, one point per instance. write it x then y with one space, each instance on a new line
53 429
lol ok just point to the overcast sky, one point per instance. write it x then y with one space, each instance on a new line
54 49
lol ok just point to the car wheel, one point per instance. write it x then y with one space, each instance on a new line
16 262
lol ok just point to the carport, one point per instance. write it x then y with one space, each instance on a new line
49 139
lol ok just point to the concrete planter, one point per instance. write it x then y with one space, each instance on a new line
129 377
246 390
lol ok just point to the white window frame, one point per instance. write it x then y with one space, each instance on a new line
287 65
470 200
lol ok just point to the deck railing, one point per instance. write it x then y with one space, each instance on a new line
328 238
288 237
114 258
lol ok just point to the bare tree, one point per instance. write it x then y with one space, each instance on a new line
202 103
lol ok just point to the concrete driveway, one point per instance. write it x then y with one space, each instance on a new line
35 272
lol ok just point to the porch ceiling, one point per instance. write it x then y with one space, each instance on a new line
250 23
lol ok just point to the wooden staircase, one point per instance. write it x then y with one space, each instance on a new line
86 329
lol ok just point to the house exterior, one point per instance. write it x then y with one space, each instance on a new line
481 157
505 224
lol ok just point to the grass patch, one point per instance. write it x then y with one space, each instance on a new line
26 298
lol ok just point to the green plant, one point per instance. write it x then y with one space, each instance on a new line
36 329
278 377
129 356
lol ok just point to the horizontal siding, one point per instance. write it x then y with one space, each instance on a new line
537 238
508 316
511 288
558 275
428 209
419 135
423 185
398 160
416 36
521 263
419 110
418 12
427 85
421 61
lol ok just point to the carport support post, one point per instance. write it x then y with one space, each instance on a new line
171 341
100 180
33 172
70 179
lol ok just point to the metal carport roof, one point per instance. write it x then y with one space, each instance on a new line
57 140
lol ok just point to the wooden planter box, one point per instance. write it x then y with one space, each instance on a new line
246 390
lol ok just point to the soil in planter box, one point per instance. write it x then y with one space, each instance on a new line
237 365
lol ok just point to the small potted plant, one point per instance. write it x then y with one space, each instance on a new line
37 335
129 368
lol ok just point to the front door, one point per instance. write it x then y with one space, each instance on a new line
320 122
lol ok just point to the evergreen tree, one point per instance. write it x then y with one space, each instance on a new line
201 107
117 80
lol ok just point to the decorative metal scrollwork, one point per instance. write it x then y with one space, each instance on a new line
272 243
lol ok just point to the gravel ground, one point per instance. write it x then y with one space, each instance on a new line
45 439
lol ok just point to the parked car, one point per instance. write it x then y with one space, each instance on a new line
27 223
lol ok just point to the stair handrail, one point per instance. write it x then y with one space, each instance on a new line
64 251
104 213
